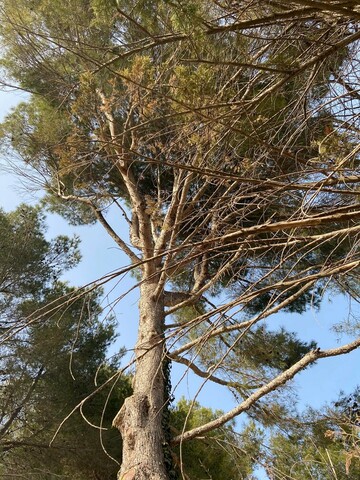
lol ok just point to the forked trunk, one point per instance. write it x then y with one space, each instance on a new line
140 418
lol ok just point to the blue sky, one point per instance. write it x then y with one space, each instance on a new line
316 385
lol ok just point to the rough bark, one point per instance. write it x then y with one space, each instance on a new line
140 419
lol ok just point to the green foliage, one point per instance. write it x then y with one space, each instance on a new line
166 423
53 355
320 444
104 13
29 263
64 358
219 454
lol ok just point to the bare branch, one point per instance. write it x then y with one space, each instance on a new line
277 382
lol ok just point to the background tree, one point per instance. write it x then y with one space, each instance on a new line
50 361
220 454
328 447
225 134
48 371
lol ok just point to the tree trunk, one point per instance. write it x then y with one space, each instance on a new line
140 418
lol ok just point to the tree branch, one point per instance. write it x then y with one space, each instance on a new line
18 409
201 373
277 382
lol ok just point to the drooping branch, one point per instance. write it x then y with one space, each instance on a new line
102 220
277 382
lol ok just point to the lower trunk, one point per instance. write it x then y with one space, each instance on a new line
140 418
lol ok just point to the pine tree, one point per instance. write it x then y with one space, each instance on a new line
225 134
51 355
